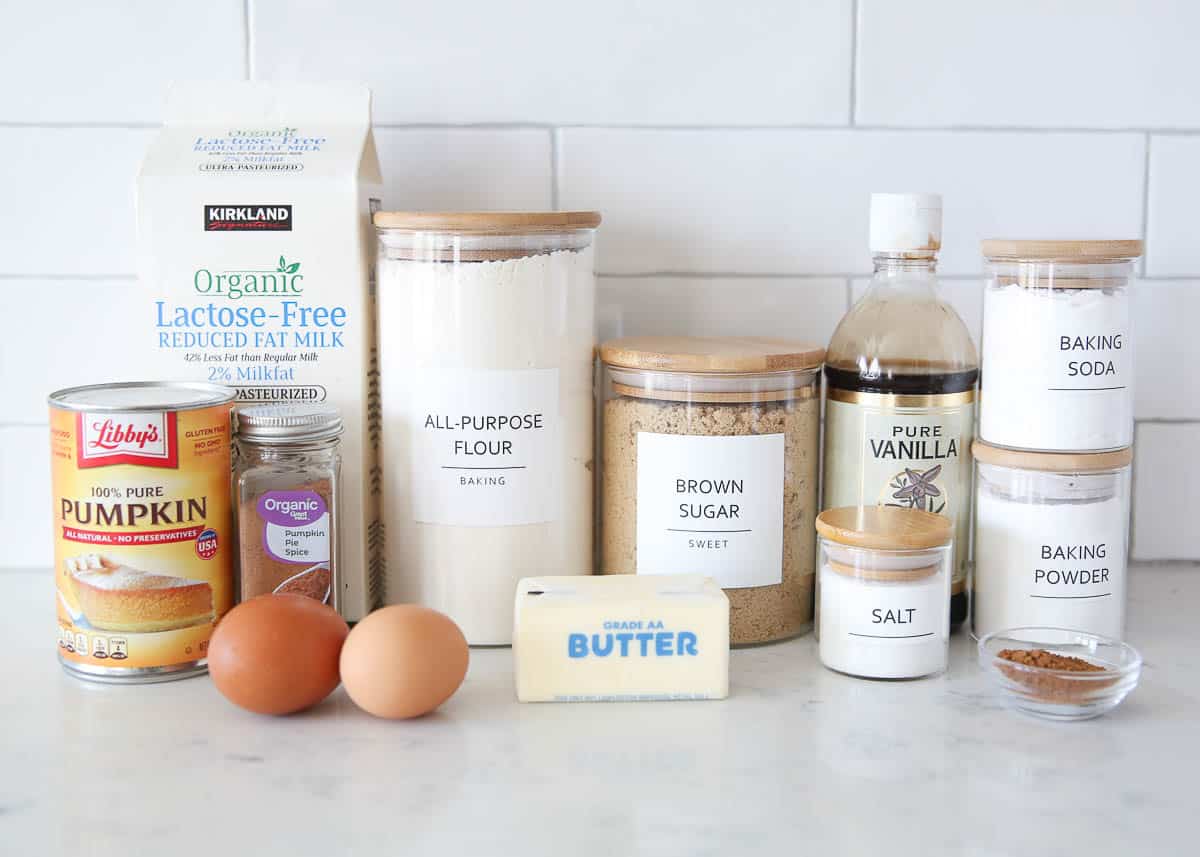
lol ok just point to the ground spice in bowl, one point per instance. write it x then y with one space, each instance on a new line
1053 685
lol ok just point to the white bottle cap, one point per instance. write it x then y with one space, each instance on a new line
906 222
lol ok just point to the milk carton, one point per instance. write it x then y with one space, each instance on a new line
256 269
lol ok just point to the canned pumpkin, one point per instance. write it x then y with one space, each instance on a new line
143 526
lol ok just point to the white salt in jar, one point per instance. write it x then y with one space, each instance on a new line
883 591
1050 540
486 355
1057 363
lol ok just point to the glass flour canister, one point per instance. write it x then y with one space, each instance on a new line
287 481
1050 540
486 327
710 467
884 591
1057 347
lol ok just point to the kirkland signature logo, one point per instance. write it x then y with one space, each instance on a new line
247 218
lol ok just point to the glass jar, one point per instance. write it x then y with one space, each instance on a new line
710 450
1057 349
486 358
901 376
287 482
1050 540
884 591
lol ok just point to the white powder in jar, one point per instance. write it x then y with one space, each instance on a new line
1057 368
487 400
1055 561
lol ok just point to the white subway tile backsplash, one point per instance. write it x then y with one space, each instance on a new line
68 199
112 62
25 501
620 62
1172 237
1097 64
465 168
1167 350
799 308
68 339
1167 492
790 201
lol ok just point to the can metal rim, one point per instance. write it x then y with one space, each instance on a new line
188 396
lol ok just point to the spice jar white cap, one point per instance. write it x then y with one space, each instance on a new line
287 423
906 222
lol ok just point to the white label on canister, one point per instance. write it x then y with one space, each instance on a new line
484 447
863 610
1059 369
711 506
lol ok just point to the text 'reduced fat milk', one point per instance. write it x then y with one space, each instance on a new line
256 256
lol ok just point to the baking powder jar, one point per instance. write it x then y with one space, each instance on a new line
883 591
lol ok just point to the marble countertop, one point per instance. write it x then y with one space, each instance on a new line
799 760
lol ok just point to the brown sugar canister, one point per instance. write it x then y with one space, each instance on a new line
287 475
710 450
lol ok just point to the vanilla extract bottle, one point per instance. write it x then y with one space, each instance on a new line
901 375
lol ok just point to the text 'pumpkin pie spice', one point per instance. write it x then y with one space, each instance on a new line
143 530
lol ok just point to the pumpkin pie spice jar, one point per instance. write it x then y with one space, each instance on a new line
710 467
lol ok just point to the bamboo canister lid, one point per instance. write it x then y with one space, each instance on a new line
1081 252
717 355
487 222
1052 462
885 528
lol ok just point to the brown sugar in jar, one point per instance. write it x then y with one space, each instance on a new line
710 451
287 474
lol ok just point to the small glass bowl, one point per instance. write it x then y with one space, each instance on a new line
1061 694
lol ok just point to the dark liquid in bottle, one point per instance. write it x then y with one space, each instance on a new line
910 384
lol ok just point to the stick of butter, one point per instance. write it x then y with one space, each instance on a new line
618 638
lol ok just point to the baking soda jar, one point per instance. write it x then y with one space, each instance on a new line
1050 540
486 354
1057 351
883 585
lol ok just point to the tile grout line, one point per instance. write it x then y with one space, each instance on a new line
627 275
1142 263
248 42
854 18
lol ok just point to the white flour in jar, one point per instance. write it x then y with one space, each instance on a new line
487 380
1057 369
1057 563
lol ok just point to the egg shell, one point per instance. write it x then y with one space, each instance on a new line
404 661
277 654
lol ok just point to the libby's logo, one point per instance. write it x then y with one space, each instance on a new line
146 438
285 280
248 218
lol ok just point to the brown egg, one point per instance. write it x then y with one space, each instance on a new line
277 654
404 661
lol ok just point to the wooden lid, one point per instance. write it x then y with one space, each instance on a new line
1061 251
487 222
885 527
752 354
1052 462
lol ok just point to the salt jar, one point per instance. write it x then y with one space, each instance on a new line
1057 353
486 348
1050 540
883 591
